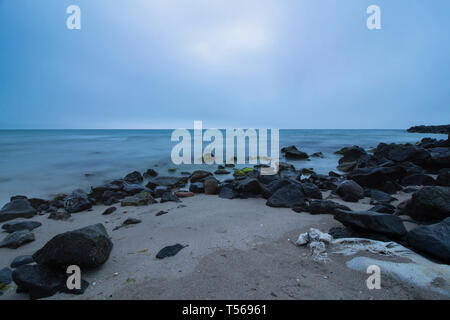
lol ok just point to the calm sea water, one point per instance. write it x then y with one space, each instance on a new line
39 163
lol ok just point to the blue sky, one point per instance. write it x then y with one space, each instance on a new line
230 63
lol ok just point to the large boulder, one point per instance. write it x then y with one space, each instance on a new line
197 187
432 239
311 191
169 196
134 177
429 204
443 178
325 207
350 191
378 196
292 152
211 186
440 158
140 199
17 239
250 187
352 157
402 152
376 177
289 196
227 192
88 247
76 202
199 175
21 225
18 208
368 221
418 179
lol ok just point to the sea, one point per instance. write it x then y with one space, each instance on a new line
42 163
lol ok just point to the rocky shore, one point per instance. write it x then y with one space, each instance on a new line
395 193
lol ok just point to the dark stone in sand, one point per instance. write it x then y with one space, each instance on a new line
401 153
352 157
368 221
169 251
325 207
78 201
169 196
5 277
442 129
58 201
211 186
160 213
21 225
19 208
383 208
160 190
429 204
134 177
418 180
376 177
443 178
170 182
133 188
289 196
109 211
197 187
227 192
21 260
17 239
379 196
311 191
131 221
440 158
433 239
345 232
60 214
39 204
87 247
293 153
350 191
249 187
199 175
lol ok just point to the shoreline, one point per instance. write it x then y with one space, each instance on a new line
245 234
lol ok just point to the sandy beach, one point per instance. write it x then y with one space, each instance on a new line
237 249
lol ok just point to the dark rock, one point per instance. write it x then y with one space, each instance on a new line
249 187
210 186
199 175
140 199
129 221
432 239
134 177
21 225
383 208
19 208
293 153
350 191
379 196
21 260
39 204
132 188
197 187
227 192
60 214
169 196
284 166
411 168
5 277
368 221
170 182
150 173
345 232
78 201
376 177
58 201
221 172
418 180
401 153
289 196
109 211
17 239
429 204
311 191
160 213
87 247
443 178
325 207
169 251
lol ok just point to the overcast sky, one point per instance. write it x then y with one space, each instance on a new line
231 63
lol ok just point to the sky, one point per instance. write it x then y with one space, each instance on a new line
298 64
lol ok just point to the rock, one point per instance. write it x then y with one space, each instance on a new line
197 187
21 225
352 157
210 186
334 174
221 172
376 177
439 158
184 194
129 221
170 182
78 201
88 247
383 208
150 173
368 221
160 213
60 214
169 196
5 277
19 208
160 190
39 204
227 192
199 175
293 153
443 178
134 177
311 191
169 251
318 155
379 196
289 196
325 207
401 153
418 180
350 191
58 201
21 260
249 187
17 239
432 239
41 282
132 188
140 199
429 204
109 211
